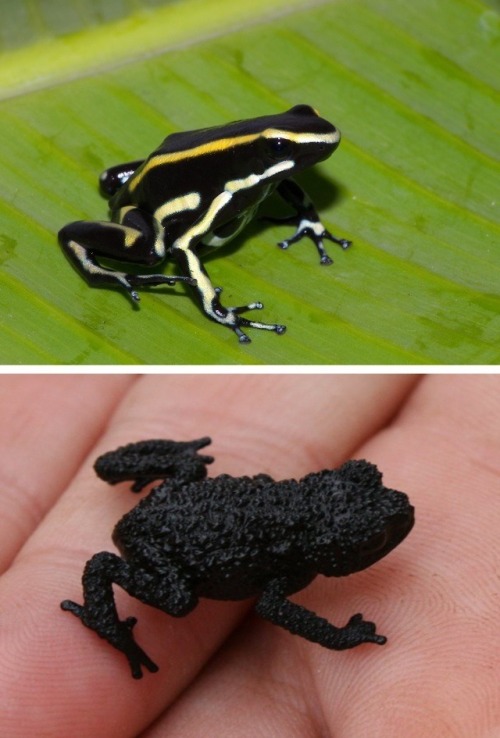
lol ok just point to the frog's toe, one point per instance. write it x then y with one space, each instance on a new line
244 308
242 337
145 280
232 318
344 243
245 323
137 659
73 607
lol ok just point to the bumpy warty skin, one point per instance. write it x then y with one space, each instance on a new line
230 535
146 461
231 538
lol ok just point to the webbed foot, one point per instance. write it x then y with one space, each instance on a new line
359 631
230 316
317 233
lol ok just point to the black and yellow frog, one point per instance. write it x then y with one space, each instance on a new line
199 189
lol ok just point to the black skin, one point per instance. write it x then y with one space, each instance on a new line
136 192
231 538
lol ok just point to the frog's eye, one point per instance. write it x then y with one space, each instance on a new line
279 148
375 544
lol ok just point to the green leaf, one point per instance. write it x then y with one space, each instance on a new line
414 89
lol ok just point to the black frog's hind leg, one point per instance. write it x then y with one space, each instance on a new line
274 606
115 177
133 239
306 219
99 612
147 461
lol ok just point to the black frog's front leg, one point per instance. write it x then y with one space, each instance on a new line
307 220
133 239
274 606
98 612
146 461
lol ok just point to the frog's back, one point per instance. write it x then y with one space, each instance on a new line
299 119
217 520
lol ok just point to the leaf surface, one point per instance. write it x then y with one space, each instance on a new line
415 182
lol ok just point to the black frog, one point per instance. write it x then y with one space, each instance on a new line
231 538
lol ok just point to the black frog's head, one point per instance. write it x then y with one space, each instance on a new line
357 520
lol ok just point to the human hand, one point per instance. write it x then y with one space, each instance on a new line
434 596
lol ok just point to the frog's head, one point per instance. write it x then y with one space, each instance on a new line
300 136
271 147
359 520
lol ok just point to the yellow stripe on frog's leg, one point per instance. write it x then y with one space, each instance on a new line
84 241
190 263
183 251
208 295
209 299
86 263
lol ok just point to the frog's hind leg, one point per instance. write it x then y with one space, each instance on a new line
133 240
148 461
99 613
99 610
112 179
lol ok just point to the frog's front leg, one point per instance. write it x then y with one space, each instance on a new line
133 239
184 251
167 592
208 296
275 607
307 220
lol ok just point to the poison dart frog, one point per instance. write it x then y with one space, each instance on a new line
232 538
199 189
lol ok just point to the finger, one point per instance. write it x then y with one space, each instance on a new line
46 430
443 449
434 596
286 425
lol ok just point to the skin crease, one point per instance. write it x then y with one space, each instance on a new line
29 428
435 596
